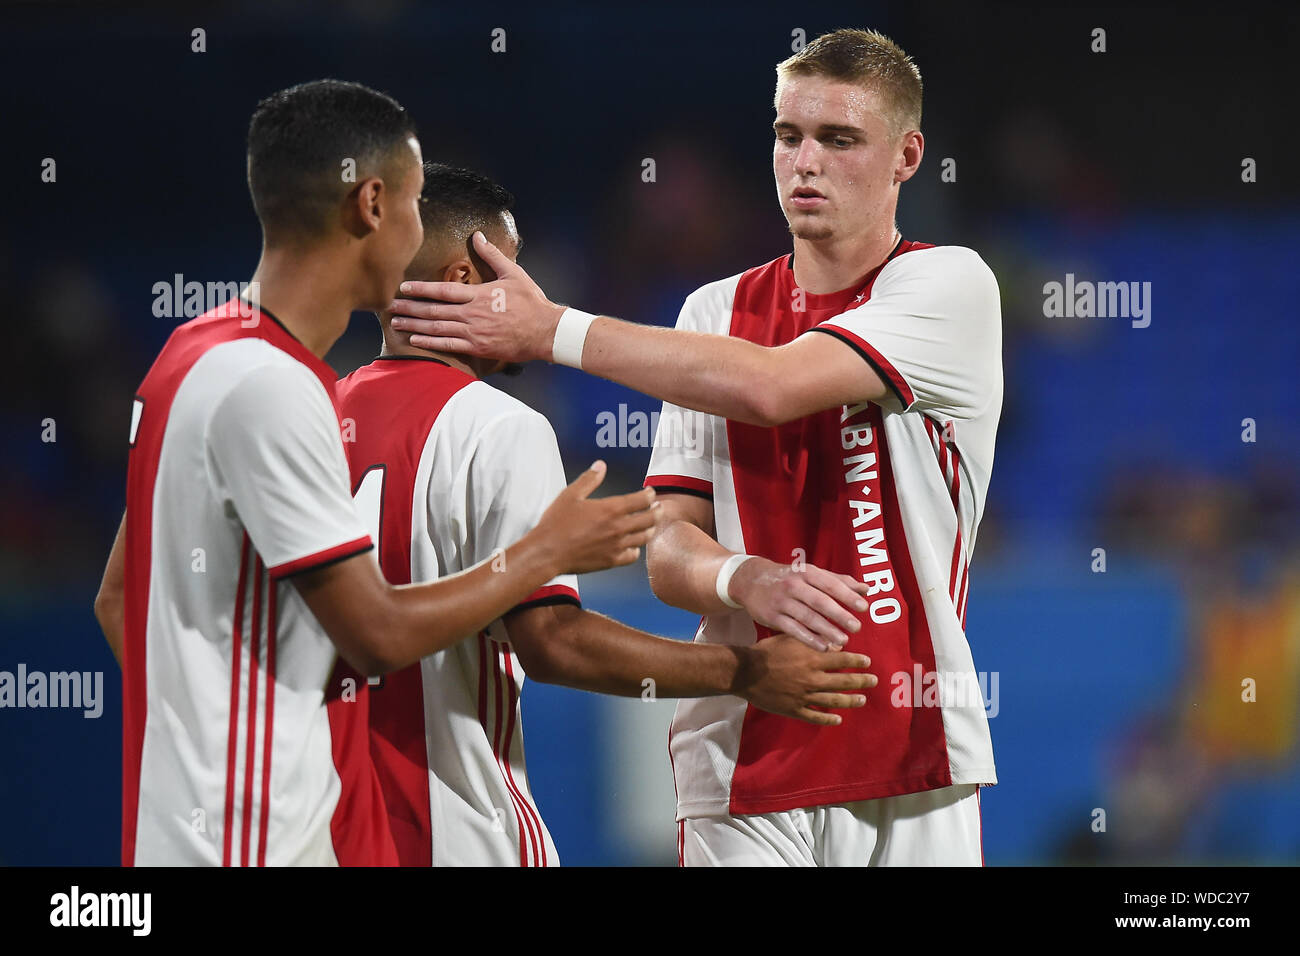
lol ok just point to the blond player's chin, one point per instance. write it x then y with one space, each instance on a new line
810 232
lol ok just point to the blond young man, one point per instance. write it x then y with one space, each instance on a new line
850 393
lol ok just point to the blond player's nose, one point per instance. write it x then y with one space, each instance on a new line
807 160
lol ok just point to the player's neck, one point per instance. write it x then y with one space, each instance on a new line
394 348
310 297
823 266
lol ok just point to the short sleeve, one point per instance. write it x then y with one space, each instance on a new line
682 458
514 474
277 461
932 330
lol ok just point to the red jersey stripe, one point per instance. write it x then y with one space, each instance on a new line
527 844
268 737
232 744
250 744
530 812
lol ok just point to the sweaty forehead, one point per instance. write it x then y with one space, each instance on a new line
816 101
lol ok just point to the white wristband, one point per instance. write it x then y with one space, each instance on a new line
570 337
725 574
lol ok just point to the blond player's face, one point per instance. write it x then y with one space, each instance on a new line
834 158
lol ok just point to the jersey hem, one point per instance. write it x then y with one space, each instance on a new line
723 807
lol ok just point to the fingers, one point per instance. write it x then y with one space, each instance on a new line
627 556
788 625
638 522
441 345
842 682
843 660
838 587
837 701
636 506
589 480
439 291
442 323
828 608
817 717
501 264
853 584
815 623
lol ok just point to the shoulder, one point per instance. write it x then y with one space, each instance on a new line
954 265
479 413
708 308
261 384
253 366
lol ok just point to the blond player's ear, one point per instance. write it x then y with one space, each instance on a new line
913 148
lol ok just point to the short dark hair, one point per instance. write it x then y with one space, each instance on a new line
299 140
456 202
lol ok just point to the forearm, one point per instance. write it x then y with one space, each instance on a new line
591 652
683 562
379 627
717 374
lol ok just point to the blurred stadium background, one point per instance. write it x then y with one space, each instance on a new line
1119 690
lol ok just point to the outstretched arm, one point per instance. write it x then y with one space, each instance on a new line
718 374
578 648
378 627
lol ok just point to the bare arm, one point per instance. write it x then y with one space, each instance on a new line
808 603
110 602
578 648
378 627
710 373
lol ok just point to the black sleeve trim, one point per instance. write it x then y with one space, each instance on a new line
547 602
866 358
679 490
325 564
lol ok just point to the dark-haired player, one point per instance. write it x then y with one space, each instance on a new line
449 470
234 752
853 390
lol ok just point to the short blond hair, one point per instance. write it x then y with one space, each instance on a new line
870 60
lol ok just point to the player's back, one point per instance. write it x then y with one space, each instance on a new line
449 472
231 752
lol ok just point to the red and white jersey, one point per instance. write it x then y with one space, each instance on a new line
450 472
233 752
890 493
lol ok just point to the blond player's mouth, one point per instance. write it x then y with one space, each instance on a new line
805 198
